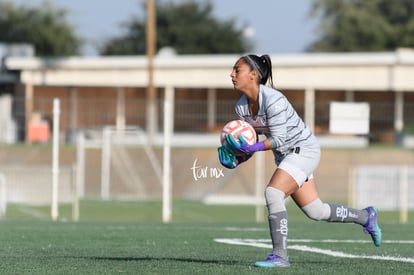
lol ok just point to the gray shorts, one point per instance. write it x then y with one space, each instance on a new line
300 162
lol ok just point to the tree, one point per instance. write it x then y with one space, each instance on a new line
188 27
359 25
44 27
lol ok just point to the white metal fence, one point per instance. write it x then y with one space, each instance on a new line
388 187
33 184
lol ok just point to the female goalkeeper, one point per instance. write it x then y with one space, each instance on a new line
296 152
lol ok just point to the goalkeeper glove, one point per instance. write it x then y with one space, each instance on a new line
229 159
243 146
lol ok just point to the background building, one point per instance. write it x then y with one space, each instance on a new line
98 91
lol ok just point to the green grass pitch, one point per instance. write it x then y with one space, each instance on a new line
129 238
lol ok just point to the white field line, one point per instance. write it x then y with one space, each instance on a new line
259 243
350 241
32 212
246 229
328 241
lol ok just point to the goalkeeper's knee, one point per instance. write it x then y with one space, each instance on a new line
317 210
274 200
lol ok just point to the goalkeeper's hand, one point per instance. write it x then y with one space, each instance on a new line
242 145
229 159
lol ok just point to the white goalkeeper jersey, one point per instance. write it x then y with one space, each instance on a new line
277 120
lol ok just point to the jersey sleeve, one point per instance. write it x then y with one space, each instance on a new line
277 117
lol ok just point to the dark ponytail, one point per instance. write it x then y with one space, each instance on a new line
267 67
261 64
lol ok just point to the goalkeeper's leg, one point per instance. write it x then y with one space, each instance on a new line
281 184
308 200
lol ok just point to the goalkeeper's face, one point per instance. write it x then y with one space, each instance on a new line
243 77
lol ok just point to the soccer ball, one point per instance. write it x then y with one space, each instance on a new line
238 127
